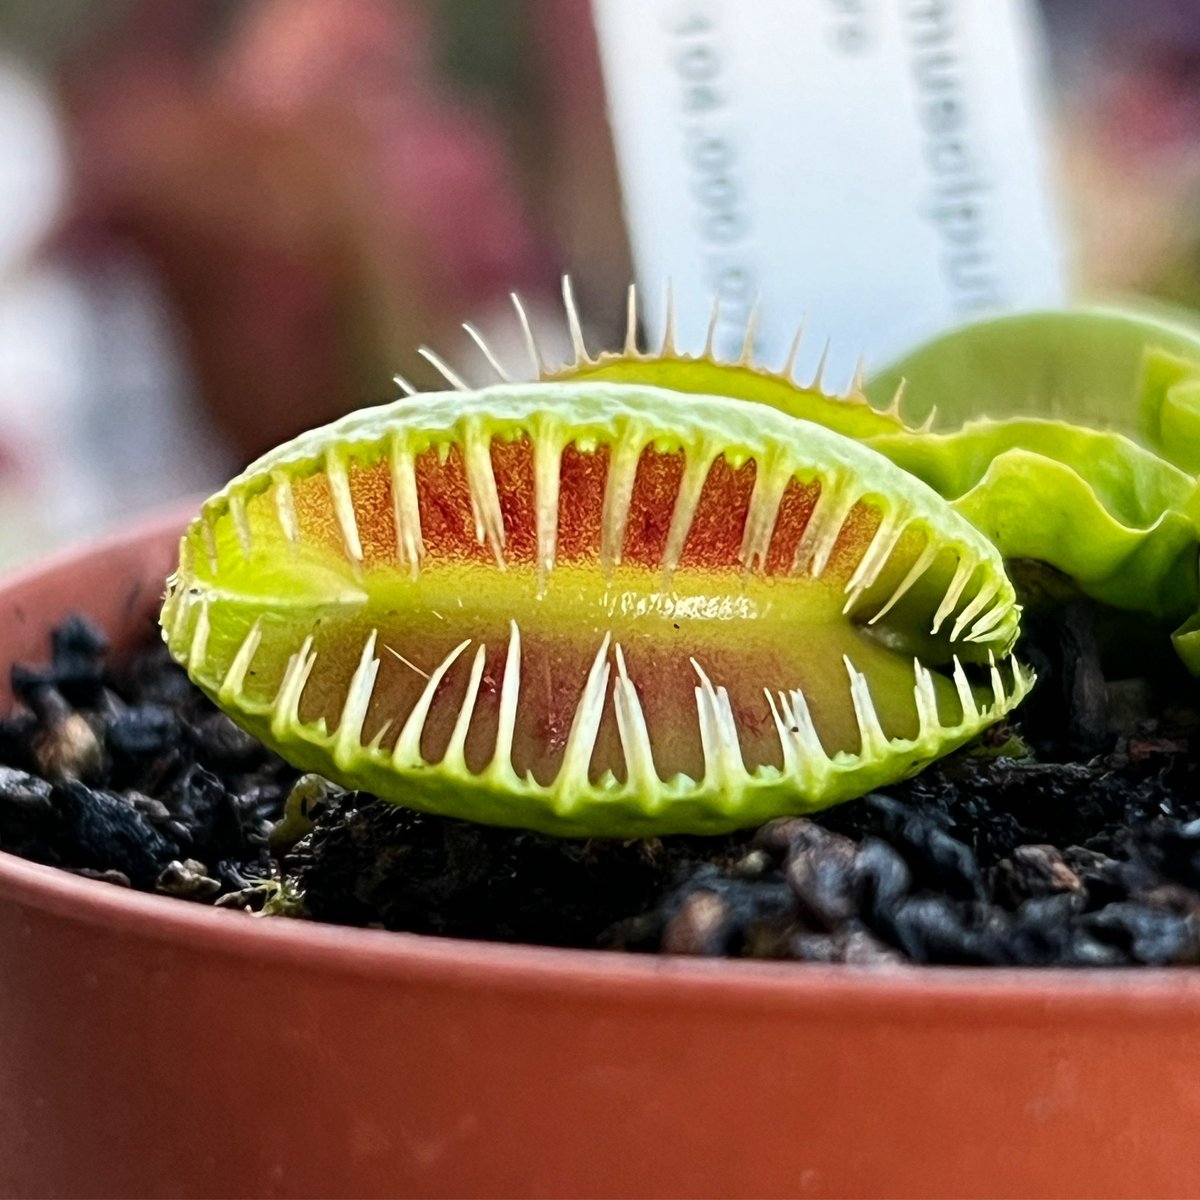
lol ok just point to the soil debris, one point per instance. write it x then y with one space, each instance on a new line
1085 853
131 776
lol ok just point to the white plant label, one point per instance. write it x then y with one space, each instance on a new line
874 167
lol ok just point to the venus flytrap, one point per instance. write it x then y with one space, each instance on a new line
1169 404
1072 438
1107 492
588 609
582 606
1104 368
1118 521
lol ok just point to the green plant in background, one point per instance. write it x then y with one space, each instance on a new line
588 609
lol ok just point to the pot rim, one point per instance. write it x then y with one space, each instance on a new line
908 992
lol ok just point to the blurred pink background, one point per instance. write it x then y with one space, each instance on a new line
223 221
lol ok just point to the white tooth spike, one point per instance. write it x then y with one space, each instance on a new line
1023 679
924 561
547 469
456 748
695 472
746 358
789 364
926 425
1015 693
710 338
631 726
347 742
874 742
405 385
176 589
821 533
859 377
473 333
535 355
963 571
667 350
970 713
406 511
574 325
893 409
443 368
241 524
818 378
631 321
176 603
209 536
806 731
343 505
198 648
735 767
376 743
1021 683
890 530
925 696
285 712
407 751
814 762
285 505
998 695
585 725
177 609
985 628
787 743
510 690
769 485
485 497
980 601
618 489
710 732
723 762
231 686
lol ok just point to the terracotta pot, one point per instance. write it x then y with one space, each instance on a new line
153 1047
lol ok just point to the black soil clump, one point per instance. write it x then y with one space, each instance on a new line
1076 844
131 776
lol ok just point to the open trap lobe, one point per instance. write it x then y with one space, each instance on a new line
587 606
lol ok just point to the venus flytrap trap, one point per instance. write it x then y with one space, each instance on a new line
1103 486
1169 403
1070 438
1105 368
1118 521
588 609
744 378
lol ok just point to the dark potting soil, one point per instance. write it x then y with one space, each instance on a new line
1079 844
